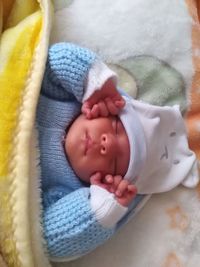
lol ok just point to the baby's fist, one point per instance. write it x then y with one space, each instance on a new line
108 182
125 193
104 102
123 190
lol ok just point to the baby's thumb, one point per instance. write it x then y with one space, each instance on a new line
132 188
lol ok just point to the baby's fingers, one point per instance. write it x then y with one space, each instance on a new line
120 103
117 179
108 179
86 110
95 179
85 106
122 187
95 111
103 110
128 195
104 182
132 189
111 106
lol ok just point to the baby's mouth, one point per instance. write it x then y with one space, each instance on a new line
88 143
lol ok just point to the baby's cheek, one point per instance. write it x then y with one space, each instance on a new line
107 168
86 166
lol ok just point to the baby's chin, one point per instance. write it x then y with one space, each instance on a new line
82 175
85 180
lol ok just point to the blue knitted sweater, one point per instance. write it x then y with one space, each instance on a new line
71 228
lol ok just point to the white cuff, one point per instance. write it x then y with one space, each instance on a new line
107 210
98 74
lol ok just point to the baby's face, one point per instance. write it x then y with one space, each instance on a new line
99 144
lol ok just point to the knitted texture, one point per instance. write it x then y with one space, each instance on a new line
66 71
63 232
53 117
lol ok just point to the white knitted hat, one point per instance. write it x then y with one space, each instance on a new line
136 137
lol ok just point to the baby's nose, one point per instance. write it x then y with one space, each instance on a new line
107 144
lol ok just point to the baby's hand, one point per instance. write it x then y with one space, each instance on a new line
104 102
124 191
109 182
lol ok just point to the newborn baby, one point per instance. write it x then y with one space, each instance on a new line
98 147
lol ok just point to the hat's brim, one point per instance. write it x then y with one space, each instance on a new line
136 137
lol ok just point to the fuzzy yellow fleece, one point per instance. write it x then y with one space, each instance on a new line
25 29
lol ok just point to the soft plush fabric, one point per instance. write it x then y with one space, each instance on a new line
160 158
23 50
169 161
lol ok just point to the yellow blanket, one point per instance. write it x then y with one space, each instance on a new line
24 35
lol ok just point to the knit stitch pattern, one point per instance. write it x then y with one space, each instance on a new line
53 117
71 239
67 68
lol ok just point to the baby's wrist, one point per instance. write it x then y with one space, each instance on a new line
105 207
98 74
